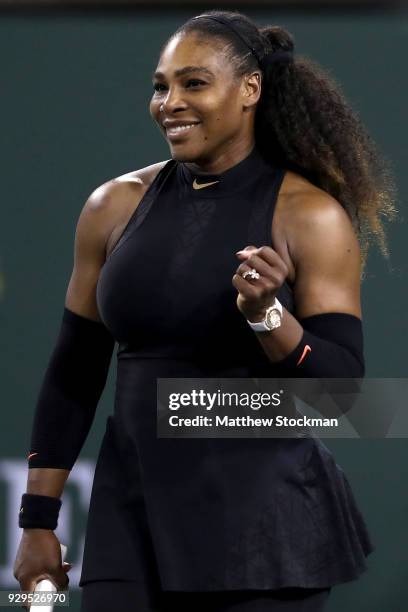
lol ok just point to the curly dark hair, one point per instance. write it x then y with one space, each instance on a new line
304 122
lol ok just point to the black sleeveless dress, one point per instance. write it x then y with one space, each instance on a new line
205 514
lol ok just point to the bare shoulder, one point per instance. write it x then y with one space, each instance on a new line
105 209
139 178
110 206
310 220
111 196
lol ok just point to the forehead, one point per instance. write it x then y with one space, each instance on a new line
192 50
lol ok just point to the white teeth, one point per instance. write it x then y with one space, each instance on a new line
180 128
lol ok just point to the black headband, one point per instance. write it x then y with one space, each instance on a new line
267 60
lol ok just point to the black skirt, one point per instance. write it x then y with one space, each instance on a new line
215 514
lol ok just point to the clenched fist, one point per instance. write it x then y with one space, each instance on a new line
256 295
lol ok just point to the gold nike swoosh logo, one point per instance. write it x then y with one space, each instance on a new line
202 185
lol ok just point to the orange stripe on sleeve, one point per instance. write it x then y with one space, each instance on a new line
306 350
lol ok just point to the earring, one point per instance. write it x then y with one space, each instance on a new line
161 108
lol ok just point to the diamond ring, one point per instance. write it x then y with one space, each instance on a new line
252 274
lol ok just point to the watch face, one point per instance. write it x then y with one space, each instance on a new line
273 319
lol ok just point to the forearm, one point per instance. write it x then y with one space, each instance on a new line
328 345
72 386
320 347
69 394
46 481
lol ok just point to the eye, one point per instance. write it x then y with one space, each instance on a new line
159 87
195 83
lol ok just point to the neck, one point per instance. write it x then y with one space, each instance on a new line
220 162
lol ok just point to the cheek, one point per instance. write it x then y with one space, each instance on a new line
227 111
219 114
154 106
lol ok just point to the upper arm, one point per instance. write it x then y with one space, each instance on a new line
92 232
105 214
105 209
326 254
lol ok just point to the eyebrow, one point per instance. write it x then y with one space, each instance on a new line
185 70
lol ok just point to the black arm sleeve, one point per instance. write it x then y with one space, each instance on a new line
331 347
73 383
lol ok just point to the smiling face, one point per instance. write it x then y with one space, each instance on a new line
204 111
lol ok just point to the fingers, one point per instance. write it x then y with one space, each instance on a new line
256 294
58 578
265 253
266 261
27 584
244 287
39 558
271 278
61 579
265 270
245 252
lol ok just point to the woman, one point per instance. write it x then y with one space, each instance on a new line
237 257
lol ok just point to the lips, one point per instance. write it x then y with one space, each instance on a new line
177 129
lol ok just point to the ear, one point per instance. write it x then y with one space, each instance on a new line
251 88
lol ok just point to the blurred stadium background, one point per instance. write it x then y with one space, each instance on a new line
74 113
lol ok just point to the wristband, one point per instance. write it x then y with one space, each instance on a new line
39 512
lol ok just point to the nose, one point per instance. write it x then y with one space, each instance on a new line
173 102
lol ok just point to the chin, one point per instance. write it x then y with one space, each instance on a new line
184 153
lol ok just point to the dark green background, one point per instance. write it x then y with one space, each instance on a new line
74 113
